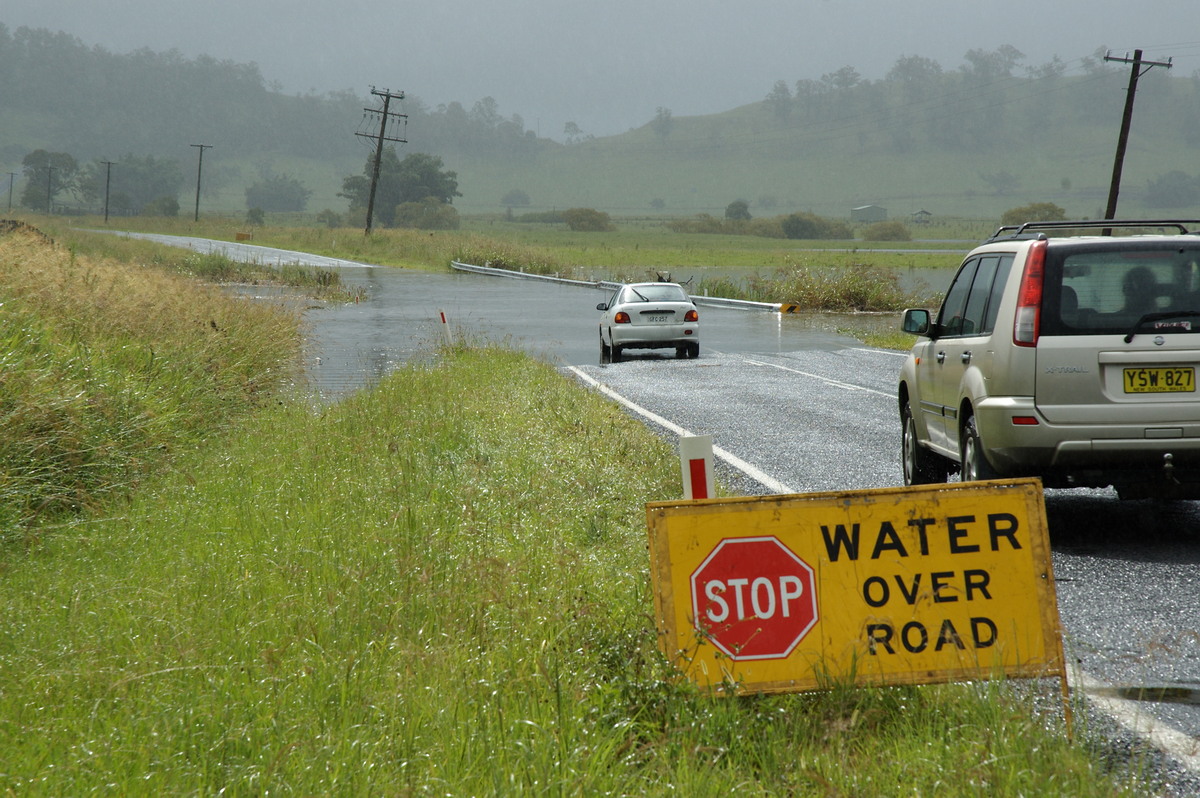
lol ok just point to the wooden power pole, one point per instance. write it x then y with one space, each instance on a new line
379 138
199 171
1135 72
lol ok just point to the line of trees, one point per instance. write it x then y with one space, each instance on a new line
988 101
149 102
134 185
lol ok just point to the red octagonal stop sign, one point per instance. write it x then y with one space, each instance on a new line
754 598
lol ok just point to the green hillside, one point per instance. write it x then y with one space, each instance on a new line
966 143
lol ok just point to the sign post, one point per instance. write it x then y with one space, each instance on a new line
893 586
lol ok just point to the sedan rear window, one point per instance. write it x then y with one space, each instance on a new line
655 293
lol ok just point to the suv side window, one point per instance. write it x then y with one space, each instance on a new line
951 320
1003 266
973 301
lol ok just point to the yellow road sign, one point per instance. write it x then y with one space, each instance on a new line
892 586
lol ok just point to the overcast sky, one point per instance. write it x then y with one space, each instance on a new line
608 65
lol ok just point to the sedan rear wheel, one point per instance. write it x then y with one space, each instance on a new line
605 351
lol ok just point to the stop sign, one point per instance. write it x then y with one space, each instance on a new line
754 598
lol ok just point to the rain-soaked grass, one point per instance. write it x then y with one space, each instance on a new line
105 368
439 586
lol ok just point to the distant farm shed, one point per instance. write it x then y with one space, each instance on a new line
868 213
921 217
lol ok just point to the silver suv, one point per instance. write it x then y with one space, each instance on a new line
1064 352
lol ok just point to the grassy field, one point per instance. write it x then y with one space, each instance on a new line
418 590
756 268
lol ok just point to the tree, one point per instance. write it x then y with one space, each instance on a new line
810 226
47 174
573 133
1034 212
278 194
845 78
663 123
428 214
162 206
589 220
886 231
131 182
738 211
418 177
780 101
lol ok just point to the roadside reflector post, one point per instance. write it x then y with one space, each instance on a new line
445 327
696 464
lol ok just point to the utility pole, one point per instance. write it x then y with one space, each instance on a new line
199 169
381 137
108 165
1135 72
11 177
49 174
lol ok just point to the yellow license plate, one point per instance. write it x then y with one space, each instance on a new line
1171 379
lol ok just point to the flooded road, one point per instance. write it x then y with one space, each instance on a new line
351 346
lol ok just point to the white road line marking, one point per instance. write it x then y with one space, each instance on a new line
827 380
772 484
1136 719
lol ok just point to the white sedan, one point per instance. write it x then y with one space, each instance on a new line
649 316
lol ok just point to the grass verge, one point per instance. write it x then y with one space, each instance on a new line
426 589
104 368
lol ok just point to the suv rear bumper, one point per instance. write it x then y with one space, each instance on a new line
1079 454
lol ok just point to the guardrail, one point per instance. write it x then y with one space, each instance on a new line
608 285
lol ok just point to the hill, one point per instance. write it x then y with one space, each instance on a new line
965 143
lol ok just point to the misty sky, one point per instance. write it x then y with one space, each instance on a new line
608 65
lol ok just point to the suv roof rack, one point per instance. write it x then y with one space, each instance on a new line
1027 229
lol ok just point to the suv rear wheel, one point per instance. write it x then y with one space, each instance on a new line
921 466
975 465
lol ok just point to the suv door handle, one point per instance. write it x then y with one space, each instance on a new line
966 357
941 357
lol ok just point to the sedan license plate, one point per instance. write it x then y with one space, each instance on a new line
659 319
1170 379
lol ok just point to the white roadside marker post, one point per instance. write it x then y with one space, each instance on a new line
696 466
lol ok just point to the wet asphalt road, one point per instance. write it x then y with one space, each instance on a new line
816 411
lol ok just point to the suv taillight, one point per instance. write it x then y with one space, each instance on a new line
1027 321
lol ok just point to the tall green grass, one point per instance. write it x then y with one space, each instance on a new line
104 368
439 586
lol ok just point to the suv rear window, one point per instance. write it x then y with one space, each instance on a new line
1096 289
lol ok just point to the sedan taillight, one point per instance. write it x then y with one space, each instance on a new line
621 318
691 315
